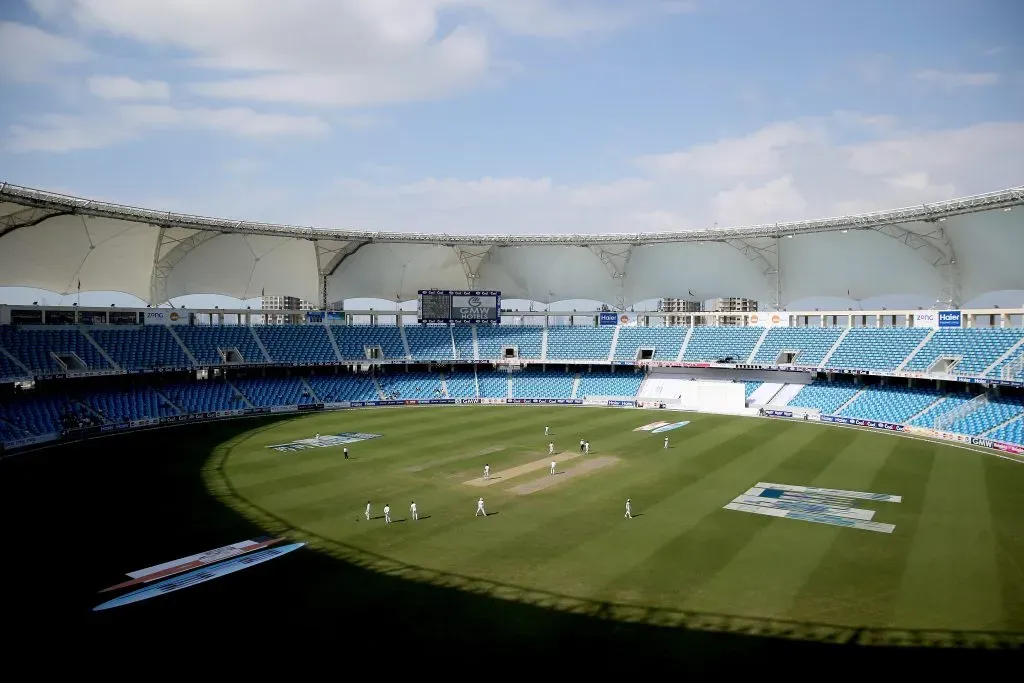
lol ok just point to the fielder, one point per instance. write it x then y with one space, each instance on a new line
345 451
367 511
551 448
546 432
487 471
629 510
586 448
387 514
552 467
666 442
480 508
414 511
582 443
317 437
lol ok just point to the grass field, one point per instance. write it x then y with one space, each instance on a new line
953 563
557 575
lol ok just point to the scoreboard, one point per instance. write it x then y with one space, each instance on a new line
458 306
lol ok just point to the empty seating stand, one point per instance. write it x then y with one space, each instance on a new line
664 341
207 344
36 348
809 344
625 383
714 343
526 340
973 350
430 342
356 342
147 347
580 343
870 348
828 397
297 344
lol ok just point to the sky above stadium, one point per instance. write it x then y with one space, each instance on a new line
513 116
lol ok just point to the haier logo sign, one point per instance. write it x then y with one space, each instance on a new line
609 318
949 318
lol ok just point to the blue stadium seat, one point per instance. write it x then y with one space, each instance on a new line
430 342
418 386
135 404
277 391
338 388
625 383
204 397
299 344
871 348
951 402
827 397
493 383
204 343
527 339
38 415
989 416
1010 433
461 384
711 343
579 343
666 342
464 341
536 383
890 404
9 369
750 387
812 343
353 340
146 347
33 347
979 348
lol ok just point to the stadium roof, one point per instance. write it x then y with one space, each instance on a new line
954 250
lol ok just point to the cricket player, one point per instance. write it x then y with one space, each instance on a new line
387 514
413 511
552 467
345 451
629 510
666 442
367 511
317 437
487 471
546 432
551 448
480 508
586 448
582 442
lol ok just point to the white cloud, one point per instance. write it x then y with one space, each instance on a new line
29 54
125 88
949 80
759 153
785 171
58 133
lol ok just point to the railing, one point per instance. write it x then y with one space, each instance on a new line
946 420
1013 368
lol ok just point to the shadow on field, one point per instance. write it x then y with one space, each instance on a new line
78 518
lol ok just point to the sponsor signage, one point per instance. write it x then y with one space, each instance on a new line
835 419
950 318
997 445
547 401
200 575
669 427
607 318
166 316
777 413
651 426
623 404
769 319
326 441
160 571
926 319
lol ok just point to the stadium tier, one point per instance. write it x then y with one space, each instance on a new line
66 350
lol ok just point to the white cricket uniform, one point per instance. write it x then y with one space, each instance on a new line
367 512
546 431
387 514
552 467
317 437
629 510
666 442
414 512
586 448
581 445
487 471
480 508
551 448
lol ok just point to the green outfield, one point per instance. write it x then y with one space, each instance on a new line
953 563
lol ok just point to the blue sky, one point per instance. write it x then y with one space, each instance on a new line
512 115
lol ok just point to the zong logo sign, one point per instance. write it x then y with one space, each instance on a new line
949 318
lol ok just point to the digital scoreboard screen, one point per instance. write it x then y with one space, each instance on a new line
459 306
